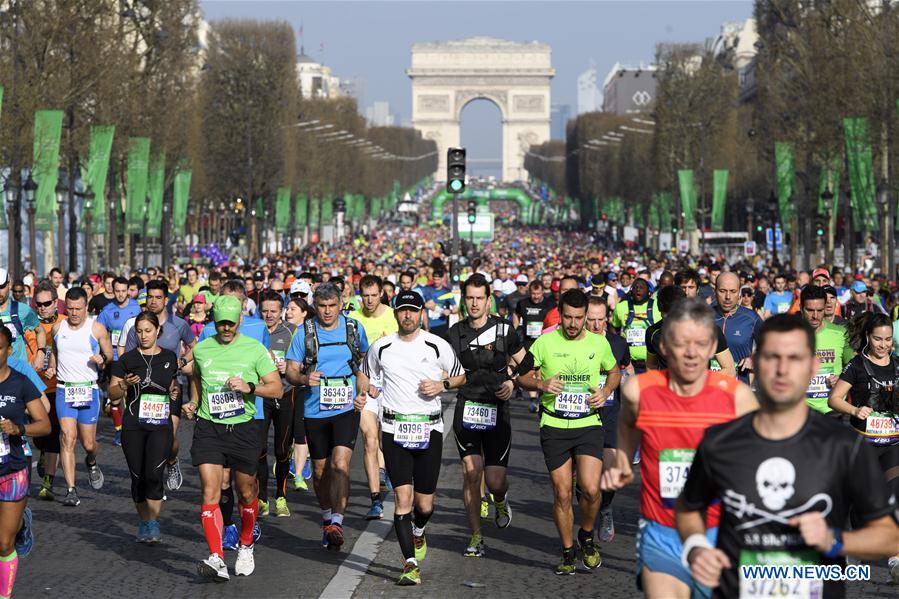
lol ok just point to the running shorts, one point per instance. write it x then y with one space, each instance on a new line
560 444
86 415
417 467
494 444
230 445
324 434
14 486
659 549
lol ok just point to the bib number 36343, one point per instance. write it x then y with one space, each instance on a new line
412 431
335 394
225 404
479 416
674 466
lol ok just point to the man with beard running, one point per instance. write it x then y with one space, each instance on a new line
787 479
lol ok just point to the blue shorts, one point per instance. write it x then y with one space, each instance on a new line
659 549
88 415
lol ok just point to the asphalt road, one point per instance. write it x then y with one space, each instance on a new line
89 551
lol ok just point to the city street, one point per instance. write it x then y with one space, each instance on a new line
90 550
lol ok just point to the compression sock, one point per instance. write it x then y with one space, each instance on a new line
402 526
248 521
211 519
9 564
606 502
226 504
583 535
420 521
282 470
116 413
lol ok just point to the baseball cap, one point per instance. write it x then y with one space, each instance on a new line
142 297
598 280
301 287
555 285
521 280
497 284
4 277
199 299
830 290
859 287
408 299
258 276
820 272
228 309
612 277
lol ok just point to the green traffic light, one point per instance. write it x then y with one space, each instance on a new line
456 185
758 228
472 218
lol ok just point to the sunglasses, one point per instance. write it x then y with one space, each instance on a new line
46 304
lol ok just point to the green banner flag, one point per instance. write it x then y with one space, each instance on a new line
327 211
719 198
301 211
47 133
155 190
359 210
653 213
665 204
861 173
282 210
96 173
349 208
315 209
136 184
376 207
687 198
785 173
180 197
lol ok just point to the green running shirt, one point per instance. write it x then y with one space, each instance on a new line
833 350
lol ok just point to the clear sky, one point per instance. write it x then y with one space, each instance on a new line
372 40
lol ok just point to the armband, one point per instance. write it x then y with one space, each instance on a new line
693 541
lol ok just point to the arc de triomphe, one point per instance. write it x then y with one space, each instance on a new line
514 76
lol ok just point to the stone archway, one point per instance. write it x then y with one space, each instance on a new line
514 76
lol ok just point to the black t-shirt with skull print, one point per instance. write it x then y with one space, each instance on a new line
761 483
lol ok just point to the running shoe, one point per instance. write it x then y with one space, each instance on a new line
606 525
335 536
174 479
307 469
281 509
263 509
154 535
376 511
421 547
71 498
475 546
142 532
257 532
503 514
485 507
230 537
46 492
636 457
213 568
568 565
299 484
411 575
590 556
245 563
94 474
25 536
117 438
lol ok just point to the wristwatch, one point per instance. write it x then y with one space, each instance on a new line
252 387
837 546
446 384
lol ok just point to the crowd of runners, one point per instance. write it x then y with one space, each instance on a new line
760 403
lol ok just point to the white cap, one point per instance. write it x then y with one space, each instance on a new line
300 287
4 277
497 284
509 287
522 278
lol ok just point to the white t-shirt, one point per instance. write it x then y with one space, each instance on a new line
402 365
126 328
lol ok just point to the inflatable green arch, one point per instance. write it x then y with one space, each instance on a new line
483 196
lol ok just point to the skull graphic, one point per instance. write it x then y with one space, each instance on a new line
774 482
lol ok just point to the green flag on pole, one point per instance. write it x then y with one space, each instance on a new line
375 207
783 158
315 212
47 134
180 197
282 210
301 214
95 175
687 198
327 210
155 190
861 172
719 199
136 184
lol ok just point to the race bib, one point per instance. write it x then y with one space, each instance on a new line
775 587
674 466
479 416
636 337
817 387
4 448
533 329
279 356
225 404
882 427
78 395
335 394
115 335
412 431
783 307
572 401
7 322
714 365
153 409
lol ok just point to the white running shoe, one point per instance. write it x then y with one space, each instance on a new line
213 568
245 563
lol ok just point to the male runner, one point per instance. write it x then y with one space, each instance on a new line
46 302
230 371
378 321
787 479
114 316
831 347
487 346
18 318
632 316
576 372
779 300
738 324
440 302
411 363
666 411
528 320
82 347
325 358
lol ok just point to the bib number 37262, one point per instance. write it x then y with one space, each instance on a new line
412 431
792 588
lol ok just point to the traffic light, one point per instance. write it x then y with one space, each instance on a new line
759 228
455 170
819 227
472 211
339 205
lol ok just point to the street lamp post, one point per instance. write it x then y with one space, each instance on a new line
13 200
750 209
883 198
89 197
827 198
30 189
112 220
61 191
772 206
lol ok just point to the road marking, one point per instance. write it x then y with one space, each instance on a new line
354 566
